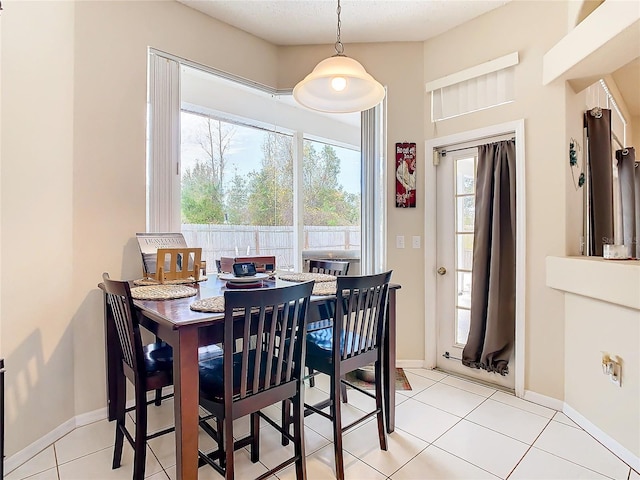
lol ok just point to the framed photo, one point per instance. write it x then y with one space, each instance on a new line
405 175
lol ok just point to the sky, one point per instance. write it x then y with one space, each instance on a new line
245 153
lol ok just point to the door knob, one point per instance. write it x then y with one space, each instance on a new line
442 271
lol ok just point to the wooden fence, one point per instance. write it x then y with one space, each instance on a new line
241 240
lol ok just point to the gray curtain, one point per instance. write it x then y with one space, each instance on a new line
492 324
629 176
600 223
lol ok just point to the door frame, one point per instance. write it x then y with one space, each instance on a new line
430 236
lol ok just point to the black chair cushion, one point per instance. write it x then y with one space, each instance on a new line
320 342
212 375
159 356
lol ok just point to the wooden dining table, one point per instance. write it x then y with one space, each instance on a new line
185 330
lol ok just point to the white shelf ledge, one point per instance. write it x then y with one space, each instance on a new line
613 281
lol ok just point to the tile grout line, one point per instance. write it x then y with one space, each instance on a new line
528 449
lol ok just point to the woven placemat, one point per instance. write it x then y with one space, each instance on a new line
178 281
212 304
162 292
324 288
306 276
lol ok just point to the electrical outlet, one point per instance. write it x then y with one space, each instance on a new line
415 241
613 368
400 241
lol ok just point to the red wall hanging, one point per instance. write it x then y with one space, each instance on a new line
406 175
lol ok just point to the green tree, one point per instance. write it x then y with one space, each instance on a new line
201 199
270 200
325 200
237 200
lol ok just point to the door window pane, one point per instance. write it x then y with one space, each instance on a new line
462 325
464 290
465 213
465 182
464 246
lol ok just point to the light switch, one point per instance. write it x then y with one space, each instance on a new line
415 241
400 241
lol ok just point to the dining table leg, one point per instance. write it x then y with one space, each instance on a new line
186 401
389 364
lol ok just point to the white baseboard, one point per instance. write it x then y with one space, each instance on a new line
92 417
543 400
618 450
17 459
625 455
410 363
14 461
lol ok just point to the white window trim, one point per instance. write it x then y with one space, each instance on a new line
163 165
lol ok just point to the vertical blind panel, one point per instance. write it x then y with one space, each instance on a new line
475 94
373 184
163 144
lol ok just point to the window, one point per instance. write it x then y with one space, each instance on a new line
599 95
465 167
477 88
255 174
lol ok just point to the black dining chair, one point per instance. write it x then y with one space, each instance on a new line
355 340
148 367
262 364
329 267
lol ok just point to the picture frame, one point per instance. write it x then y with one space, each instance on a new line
405 168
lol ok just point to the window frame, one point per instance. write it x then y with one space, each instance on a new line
164 196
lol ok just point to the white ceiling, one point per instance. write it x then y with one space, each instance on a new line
306 22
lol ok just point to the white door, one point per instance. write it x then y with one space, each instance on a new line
456 184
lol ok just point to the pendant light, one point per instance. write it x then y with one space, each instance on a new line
339 84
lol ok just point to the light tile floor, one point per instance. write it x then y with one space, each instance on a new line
446 428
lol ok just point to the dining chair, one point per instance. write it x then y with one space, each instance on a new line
148 367
329 267
262 364
355 340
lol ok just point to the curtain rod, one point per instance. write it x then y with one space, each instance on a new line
464 146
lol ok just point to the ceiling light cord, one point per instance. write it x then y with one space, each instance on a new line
339 46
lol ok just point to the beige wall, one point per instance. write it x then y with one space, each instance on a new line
37 217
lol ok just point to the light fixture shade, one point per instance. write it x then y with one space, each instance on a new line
361 91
